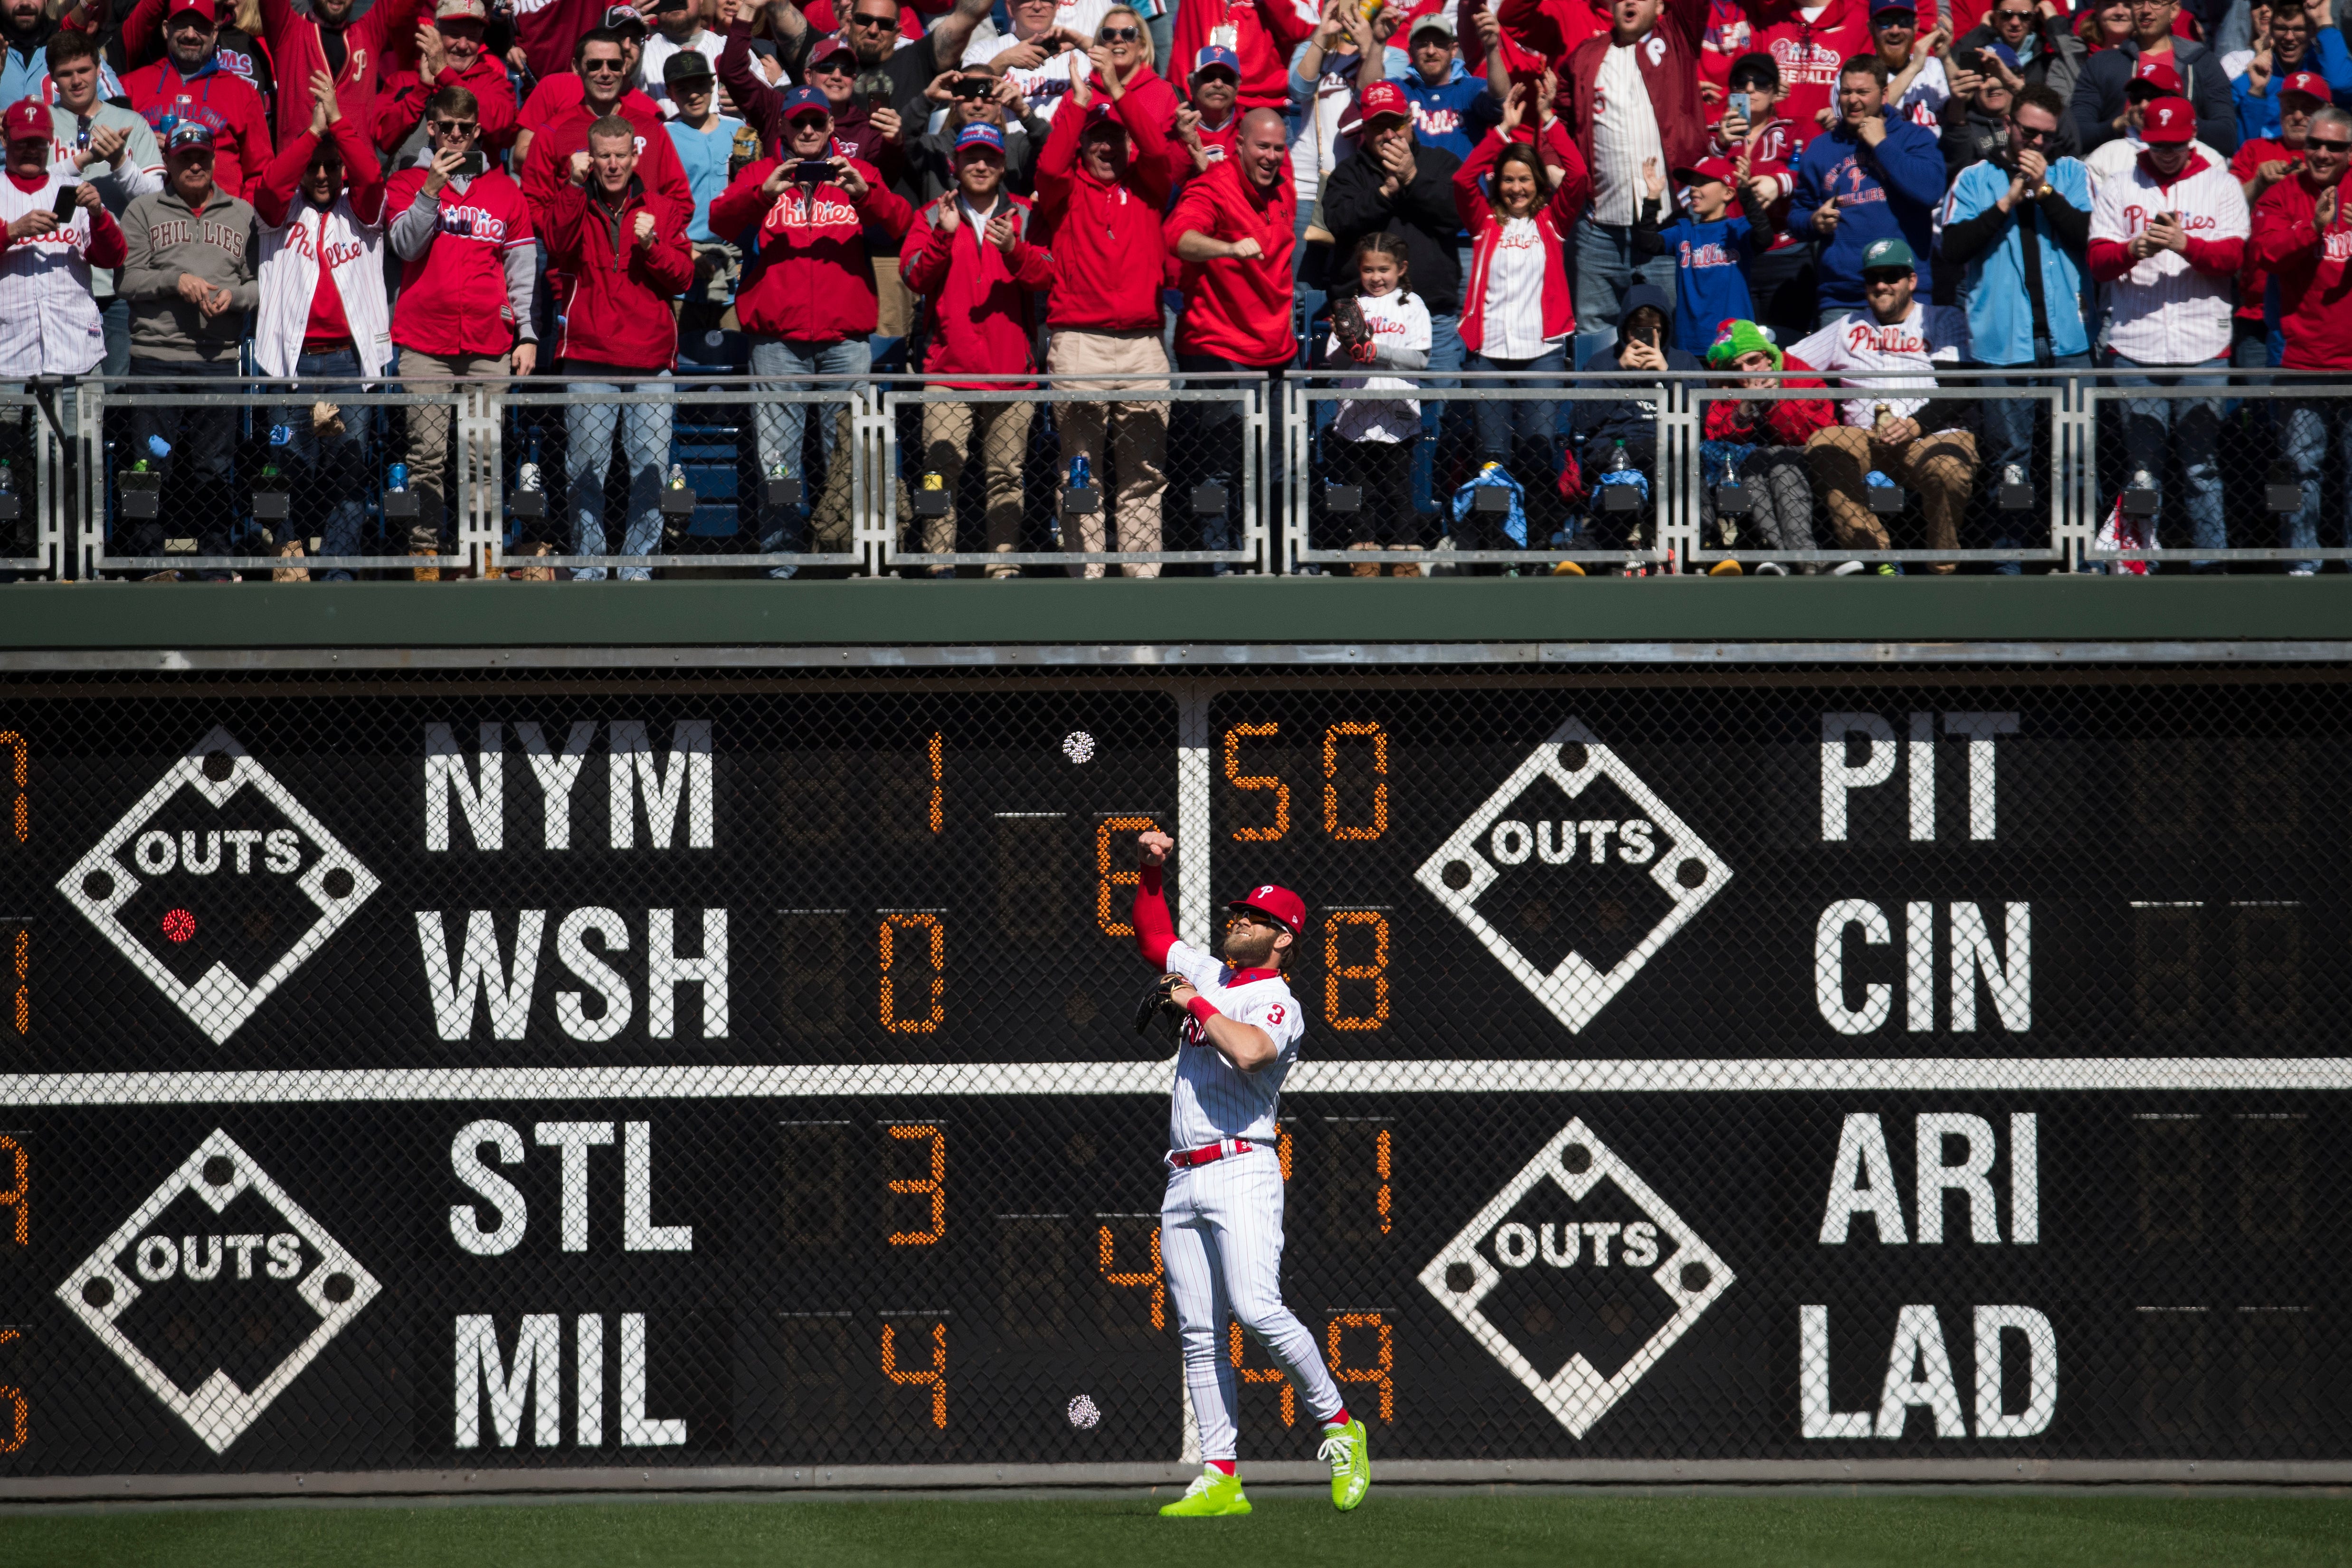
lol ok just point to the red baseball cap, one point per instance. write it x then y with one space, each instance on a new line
1278 903
201 8
2156 74
2311 84
27 120
1382 98
2167 122
1706 169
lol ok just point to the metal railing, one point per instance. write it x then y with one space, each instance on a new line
2115 477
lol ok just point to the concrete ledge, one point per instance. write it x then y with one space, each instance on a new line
1197 611
508 1482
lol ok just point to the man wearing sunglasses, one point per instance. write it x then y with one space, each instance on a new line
556 96
603 73
2019 226
2048 53
2099 95
2261 164
192 83
2303 235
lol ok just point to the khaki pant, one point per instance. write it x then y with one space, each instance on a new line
429 426
1941 467
1000 431
1137 433
893 302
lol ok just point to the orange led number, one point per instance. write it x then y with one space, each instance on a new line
1381 1161
1380 1373
24 987
20 1413
934 1376
21 757
1263 1375
1157 1279
1234 738
1107 846
1358 831
935 1186
891 926
13 1159
1282 1151
1334 971
939 779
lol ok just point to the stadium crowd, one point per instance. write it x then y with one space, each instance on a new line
1853 196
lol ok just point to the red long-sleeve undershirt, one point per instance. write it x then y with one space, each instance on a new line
1155 933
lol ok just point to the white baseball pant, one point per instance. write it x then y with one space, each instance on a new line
1221 1241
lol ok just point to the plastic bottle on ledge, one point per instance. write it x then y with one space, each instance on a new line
158 447
677 476
527 477
7 478
1081 472
396 479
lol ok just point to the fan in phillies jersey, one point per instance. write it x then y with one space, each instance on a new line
2168 237
2302 233
48 322
1221 1223
2257 166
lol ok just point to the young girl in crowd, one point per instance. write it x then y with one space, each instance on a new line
1370 444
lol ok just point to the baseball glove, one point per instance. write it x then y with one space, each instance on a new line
1347 324
1156 1003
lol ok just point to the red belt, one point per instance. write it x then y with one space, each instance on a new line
1224 1148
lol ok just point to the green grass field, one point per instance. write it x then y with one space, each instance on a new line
1486 1531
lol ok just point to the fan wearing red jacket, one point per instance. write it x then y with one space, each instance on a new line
449 53
190 83
1102 181
2302 235
1631 93
602 61
359 54
1516 314
627 257
807 294
1263 32
1760 444
970 256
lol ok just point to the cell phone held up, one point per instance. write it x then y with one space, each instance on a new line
67 198
812 171
472 164
971 88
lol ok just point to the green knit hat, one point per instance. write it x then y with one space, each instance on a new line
1736 338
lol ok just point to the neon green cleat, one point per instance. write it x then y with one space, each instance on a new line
1212 1495
1351 1464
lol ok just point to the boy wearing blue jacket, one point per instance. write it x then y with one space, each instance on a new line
1874 177
1711 248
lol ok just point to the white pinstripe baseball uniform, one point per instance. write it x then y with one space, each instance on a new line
2164 310
1221 1222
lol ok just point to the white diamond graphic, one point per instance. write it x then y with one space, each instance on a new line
1684 867
218 1002
336 1288
1692 1276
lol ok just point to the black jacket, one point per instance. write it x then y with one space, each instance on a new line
1422 215
1631 420
2099 95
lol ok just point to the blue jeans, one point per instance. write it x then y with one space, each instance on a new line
783 427
115 317
1502 419
2010 425
2190 427
588 454
332 470
2308 428
1605 268
1444 355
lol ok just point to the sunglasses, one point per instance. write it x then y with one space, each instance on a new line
835 67
879 24
2012 16
456 127
1118 35
1873 279
2028 134
2329 146
601 68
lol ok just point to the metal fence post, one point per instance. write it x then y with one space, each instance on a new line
1678 474
1298 441
874 467
1255 507
481 421
89 523
2075 471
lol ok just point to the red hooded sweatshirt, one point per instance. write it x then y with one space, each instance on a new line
1109 252
618 312
1264 34
806 278
223 100
2315 283
1667 58
400 103
550 162
979 299
1239 310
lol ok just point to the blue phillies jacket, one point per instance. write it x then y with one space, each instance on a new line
1887 192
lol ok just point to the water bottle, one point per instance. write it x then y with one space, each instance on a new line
1618 462
158 447
281 435
1877 480
396 479
677 476
527 477
7 478
2012 474
141 467
1081 472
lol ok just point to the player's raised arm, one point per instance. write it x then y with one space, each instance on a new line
1154 931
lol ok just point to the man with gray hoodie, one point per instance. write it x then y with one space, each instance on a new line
190 280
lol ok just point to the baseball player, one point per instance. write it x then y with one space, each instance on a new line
1221 1224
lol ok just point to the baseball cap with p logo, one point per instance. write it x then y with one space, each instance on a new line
27 120
1278 903
2168 122
2155 76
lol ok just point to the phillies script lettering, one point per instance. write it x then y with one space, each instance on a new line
795 210
337 255
472 223
2136 218
1861 337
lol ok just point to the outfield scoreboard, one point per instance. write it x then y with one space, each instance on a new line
1778 1065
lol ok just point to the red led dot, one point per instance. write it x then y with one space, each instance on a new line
179 925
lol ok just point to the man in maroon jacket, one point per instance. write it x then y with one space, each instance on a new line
1630 94
627 257
2302 236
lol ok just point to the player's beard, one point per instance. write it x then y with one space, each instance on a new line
1251 946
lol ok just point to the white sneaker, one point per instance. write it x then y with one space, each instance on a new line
1847 569
1772 568
2303 571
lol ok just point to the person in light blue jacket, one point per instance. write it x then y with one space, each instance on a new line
2019 226
2299 42
1874 176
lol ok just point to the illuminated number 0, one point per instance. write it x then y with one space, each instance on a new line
21 758
891 924
1106 879
934 1376
1380 822
936 1186
1377 971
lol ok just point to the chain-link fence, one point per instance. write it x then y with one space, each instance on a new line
218 475
1814 1066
